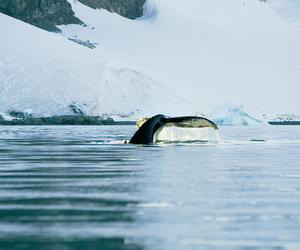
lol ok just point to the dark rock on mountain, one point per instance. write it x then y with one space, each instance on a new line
76 110
18 114
131 9
44 14
87 43
65 120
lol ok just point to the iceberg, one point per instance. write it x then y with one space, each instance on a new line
230 115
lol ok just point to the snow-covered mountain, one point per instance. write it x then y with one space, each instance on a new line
44 74
180 57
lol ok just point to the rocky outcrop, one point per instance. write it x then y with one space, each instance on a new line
64 120
131 9
47 14
44 14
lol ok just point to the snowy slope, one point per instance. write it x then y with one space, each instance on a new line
206 52
236 51
43 74
288 9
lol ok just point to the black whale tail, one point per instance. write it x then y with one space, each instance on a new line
146 133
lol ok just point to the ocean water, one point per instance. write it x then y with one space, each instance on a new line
76 187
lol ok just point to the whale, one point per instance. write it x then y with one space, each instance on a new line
163 128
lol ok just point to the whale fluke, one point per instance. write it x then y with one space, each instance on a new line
150 130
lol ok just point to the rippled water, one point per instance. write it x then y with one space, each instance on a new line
80 188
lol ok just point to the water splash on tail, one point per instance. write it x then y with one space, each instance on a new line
187 134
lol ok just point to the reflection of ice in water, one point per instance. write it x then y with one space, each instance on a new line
187 134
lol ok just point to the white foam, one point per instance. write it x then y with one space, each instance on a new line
155 205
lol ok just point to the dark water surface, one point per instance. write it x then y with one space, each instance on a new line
80 188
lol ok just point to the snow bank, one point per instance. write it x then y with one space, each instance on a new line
283 117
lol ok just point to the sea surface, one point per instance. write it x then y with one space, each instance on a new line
79 187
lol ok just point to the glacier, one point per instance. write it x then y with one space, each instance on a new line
181 57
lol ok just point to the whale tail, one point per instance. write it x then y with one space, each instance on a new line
161 128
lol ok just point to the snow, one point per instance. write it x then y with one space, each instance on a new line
46 73
288 9
182 57
283 117
211 52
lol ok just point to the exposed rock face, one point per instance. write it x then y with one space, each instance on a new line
44 14
131 9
